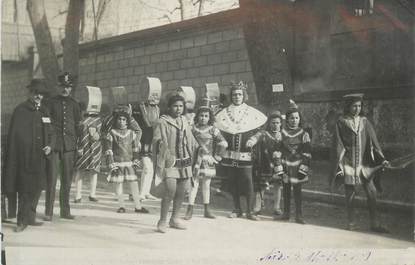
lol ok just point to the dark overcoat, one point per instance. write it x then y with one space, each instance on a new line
29 132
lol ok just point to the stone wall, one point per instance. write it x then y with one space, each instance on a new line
14 79
190 53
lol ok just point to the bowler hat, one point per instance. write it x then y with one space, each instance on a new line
37 86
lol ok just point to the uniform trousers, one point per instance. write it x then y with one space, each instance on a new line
62 164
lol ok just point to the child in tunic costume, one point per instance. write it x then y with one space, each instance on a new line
121 147
268 160
211 145
297 157
174 147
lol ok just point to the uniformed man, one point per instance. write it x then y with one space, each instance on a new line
30 141
66 120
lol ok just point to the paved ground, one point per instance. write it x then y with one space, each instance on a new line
99 235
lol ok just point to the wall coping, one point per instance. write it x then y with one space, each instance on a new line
232 16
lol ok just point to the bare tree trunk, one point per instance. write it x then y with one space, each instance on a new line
71 43
181 7
200 11
44 43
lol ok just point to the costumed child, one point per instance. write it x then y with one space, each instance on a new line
296 150
89 145
121 148
211 145
268 160
357 152
174 146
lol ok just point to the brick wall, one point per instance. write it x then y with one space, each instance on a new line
190 53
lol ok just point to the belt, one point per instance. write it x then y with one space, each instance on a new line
241 156
185 162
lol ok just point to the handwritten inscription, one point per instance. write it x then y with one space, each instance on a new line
318 256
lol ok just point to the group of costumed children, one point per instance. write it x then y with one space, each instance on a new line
184 150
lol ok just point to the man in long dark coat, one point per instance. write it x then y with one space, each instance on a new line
66 121
30 142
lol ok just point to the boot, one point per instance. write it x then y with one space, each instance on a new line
298 205
208 214
287 202
189 212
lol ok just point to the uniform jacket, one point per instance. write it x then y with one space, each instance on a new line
66 120
357 149
30 131
174 148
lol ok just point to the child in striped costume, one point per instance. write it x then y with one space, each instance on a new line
89 155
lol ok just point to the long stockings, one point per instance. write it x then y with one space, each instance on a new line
174 190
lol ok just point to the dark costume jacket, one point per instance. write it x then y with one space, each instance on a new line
267 158
30 131
66 120
296 151
357 149
238 124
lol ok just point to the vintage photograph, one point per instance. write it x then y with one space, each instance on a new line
207 132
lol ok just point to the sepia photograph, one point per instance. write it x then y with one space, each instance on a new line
234 132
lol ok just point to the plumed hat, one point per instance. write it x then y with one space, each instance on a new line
292 107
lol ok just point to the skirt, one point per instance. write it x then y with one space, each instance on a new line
122 172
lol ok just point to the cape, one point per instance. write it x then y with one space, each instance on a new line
252 119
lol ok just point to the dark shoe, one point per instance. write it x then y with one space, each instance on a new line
121 210
253 217
176 224
68 216
161 226
379 229
300 220
36 223
47 218
77 200
189 212
208 213
93 199
142 210
20 228
285 217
